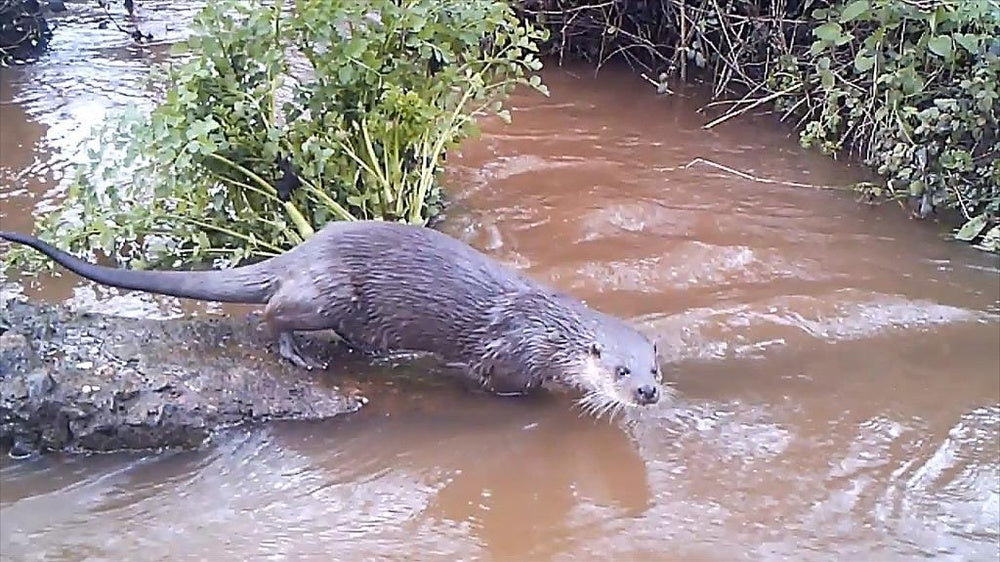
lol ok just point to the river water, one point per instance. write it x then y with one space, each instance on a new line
837 366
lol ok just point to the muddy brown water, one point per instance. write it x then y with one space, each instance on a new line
838 366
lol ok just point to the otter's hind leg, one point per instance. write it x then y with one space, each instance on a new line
292 310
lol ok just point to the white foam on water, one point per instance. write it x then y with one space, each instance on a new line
749 330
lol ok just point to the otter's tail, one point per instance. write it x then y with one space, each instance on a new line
252 284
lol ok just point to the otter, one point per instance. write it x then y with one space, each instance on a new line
386 286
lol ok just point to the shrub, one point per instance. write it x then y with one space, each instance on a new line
912 90
275 120
24 33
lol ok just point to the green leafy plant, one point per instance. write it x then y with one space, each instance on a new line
913 90
275 119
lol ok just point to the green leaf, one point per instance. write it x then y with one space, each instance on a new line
854 10
991 242
971 228
864 61
968 41
827 79
829 31
937 17
941 46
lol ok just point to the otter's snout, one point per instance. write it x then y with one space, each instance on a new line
647 394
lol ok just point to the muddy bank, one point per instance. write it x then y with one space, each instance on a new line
92 383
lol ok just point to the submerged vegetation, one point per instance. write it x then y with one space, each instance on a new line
272 120
910 88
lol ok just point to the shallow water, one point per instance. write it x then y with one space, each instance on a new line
838 366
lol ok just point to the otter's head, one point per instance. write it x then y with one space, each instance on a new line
618 369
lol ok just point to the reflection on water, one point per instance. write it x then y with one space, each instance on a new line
837 366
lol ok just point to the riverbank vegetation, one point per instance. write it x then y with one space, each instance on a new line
910 88
271 120
23 30
274 119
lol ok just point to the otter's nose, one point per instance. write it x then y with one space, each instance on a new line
647 394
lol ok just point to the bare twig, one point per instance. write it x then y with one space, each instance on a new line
752 177
742 110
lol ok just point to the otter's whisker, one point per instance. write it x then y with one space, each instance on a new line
596 412
598 407
587 404
617 409
596 404
606 407
620 408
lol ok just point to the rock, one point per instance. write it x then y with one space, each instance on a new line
15 352
89 383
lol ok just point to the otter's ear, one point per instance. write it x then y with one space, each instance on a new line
595 349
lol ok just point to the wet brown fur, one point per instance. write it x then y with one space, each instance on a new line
385 286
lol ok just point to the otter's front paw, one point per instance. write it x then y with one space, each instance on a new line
289 350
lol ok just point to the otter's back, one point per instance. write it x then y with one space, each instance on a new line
416 288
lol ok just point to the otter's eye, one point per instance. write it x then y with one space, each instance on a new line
657 374
622 372
595 349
